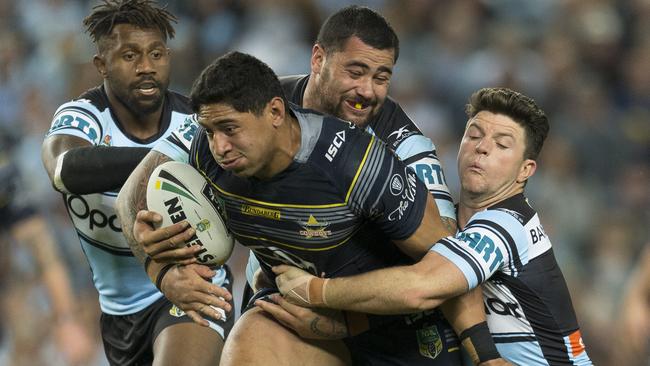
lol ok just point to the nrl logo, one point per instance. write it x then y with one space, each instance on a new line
313 228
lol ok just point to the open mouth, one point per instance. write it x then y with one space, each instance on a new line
357 106
147 88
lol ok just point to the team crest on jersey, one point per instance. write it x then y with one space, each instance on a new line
175 311
313 228
429 341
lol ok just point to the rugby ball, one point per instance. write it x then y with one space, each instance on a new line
179 192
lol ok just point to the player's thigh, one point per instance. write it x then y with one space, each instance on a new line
187 344
257 339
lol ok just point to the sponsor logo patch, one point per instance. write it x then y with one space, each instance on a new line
429 341
261 212
176 312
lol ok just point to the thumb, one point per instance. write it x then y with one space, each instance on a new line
280 269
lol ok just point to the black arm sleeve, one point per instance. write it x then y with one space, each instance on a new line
97 169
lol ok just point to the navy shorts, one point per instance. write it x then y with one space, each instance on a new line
128 339
419 339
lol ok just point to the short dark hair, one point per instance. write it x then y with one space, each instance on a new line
239 80
360 21
520 108
141 13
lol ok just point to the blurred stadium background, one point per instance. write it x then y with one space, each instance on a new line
587 63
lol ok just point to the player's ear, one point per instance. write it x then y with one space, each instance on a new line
100 65
276 110
528 168
317 58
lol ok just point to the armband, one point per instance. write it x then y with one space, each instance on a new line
161 274
95 169
478 342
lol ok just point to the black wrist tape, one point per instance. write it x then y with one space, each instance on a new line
96 169
161 274
481 339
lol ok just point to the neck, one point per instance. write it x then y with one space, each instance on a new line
310 99
141 126
287 149
470 204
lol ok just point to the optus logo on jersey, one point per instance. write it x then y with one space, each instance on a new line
80 208
500 307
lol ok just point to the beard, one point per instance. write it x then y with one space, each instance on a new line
139 105
331 103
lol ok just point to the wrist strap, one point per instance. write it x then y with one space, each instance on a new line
163 271
316 290
478 342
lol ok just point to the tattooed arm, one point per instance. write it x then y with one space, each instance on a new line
184 284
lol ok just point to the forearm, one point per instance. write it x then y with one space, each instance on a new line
133 198
397 290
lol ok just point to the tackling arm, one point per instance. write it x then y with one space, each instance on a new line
74 165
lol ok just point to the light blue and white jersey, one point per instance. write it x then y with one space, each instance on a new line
527 302
123 286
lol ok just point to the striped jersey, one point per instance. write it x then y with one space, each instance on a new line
123 286
527 302
321 213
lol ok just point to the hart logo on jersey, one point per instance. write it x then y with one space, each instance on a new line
482 244
339 139
429 172
77 120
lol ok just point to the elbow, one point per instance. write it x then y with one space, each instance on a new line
418 301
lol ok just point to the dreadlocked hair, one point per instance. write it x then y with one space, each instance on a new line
140 13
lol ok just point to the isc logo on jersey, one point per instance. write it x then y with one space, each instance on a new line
178 192
339 139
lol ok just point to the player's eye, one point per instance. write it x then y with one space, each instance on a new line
129 56
156 55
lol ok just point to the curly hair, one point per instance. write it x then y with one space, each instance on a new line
140 13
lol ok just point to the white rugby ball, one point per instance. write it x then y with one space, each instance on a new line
179 192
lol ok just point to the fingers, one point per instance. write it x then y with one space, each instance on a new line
278 270
197 318
278 312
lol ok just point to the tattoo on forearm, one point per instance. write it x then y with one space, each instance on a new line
450 224
135 190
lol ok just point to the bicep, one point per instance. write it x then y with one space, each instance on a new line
55 145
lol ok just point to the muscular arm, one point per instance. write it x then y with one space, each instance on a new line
74 165
133 198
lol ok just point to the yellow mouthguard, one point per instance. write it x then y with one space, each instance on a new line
358 106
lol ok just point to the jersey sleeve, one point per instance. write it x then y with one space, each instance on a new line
419 153
177 145
78 118
385 190
492 241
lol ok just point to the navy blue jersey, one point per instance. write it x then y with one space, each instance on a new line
394 127
529 310
314 214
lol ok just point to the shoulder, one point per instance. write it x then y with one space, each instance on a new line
179 103
294 87
393 126
83 114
